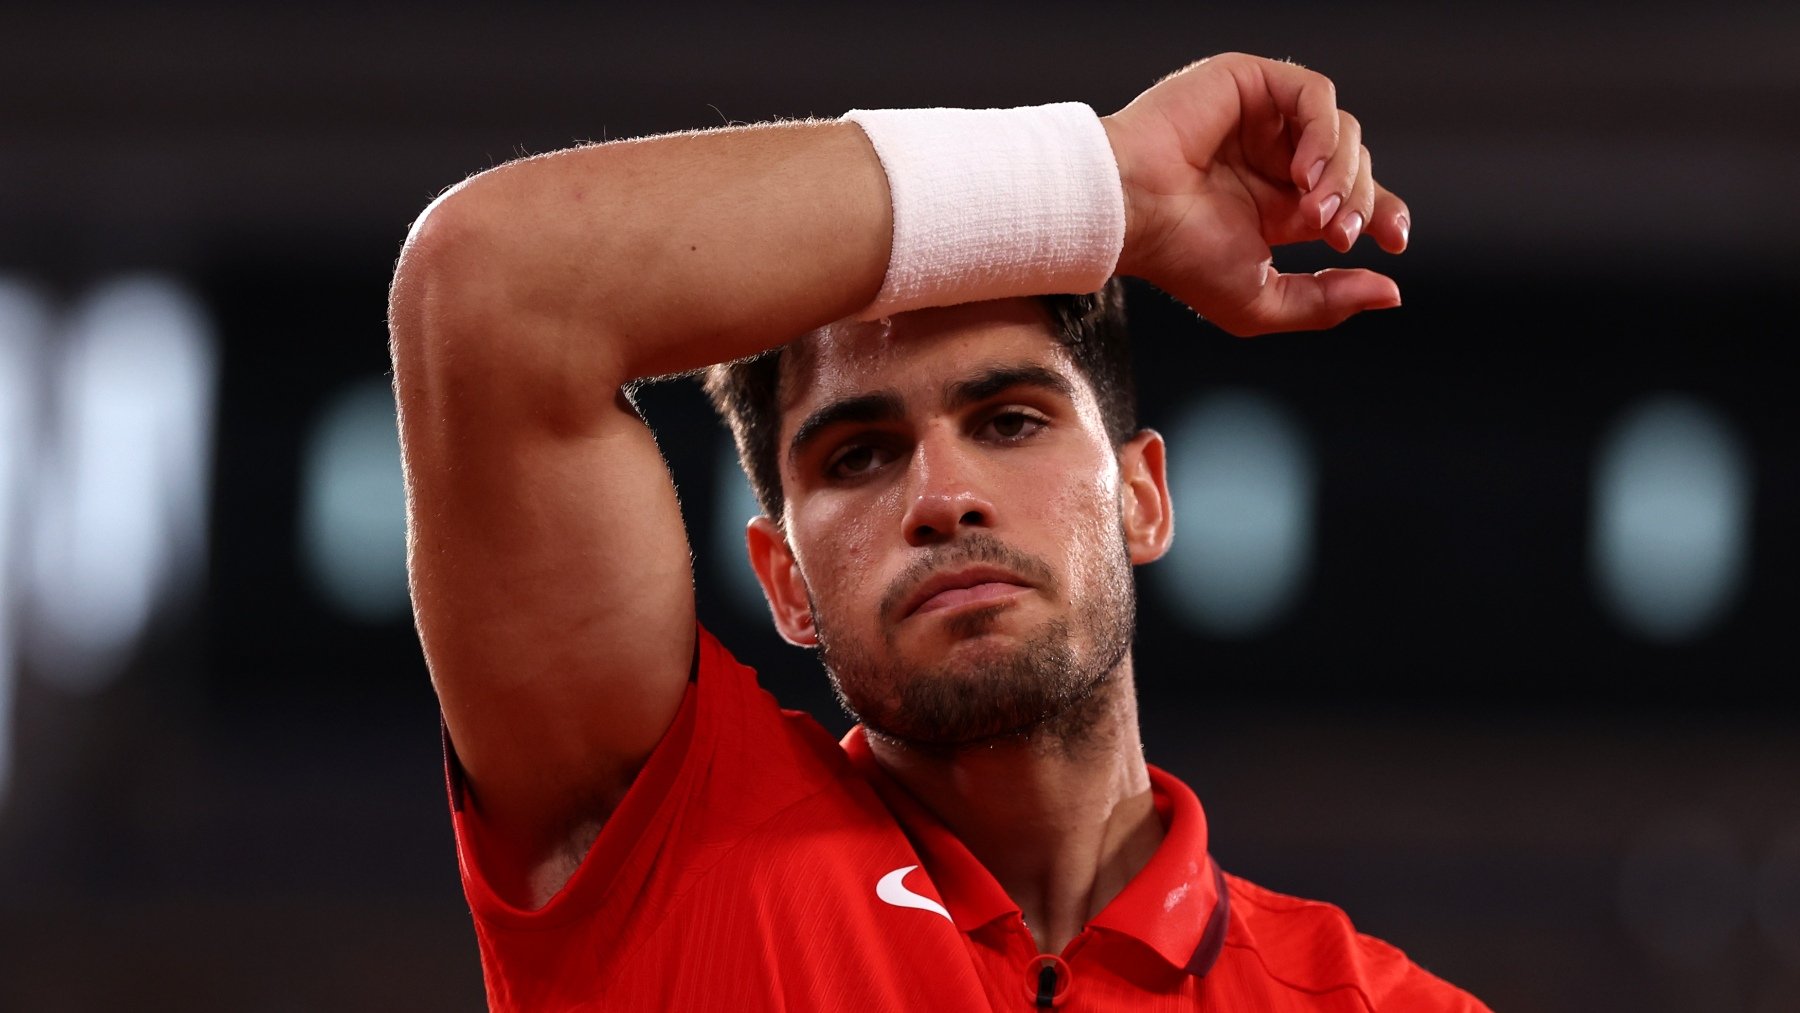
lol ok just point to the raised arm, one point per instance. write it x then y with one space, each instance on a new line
550 570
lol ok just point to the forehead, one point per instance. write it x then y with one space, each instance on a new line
915 353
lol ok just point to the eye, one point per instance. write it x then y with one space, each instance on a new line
857 460
1011 426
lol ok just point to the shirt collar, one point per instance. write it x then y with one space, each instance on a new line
1176 905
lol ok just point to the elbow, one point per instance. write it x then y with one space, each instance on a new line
438 287
443 305
473 328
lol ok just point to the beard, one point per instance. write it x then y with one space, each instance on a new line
1048 686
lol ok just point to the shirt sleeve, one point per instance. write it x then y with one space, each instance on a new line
730 759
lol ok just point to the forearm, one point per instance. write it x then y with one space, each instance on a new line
612 262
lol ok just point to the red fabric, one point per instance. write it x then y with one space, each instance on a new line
741 872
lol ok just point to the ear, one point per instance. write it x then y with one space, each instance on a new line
781 582
1145 509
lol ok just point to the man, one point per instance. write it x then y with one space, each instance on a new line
954 497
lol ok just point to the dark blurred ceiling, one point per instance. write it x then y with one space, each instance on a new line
1621 139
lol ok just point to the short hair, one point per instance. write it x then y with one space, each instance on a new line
747 393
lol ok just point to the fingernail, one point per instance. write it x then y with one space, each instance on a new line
1405 224
1353 223
1313 174
1329 208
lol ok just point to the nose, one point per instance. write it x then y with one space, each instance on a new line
946 491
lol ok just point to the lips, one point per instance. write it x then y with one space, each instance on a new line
961 586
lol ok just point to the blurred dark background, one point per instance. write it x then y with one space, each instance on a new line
1479 619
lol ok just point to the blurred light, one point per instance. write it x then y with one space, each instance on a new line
1683 888
353 504
1241 477
24 324
1671 498
733 506
1778 896
119 519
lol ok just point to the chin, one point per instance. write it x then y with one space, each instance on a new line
973 662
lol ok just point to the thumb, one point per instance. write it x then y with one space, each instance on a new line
1313 302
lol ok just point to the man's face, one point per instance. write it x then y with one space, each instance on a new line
954 523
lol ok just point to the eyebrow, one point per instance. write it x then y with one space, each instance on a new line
880 406
887 406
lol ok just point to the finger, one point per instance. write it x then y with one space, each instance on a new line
1309 99
1357 207
1312 302
1390 223
1268 138
1332 198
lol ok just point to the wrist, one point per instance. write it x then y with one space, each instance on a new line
994 203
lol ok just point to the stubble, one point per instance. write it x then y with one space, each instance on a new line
1053 687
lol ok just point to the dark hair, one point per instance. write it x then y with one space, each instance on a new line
746 393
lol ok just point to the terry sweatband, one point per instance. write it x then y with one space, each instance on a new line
991 203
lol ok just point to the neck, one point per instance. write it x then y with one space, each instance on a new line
1062 817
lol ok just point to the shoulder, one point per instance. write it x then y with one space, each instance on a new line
746 743
1312 947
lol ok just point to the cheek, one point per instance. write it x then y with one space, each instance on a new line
1087 515
1081 493
837 556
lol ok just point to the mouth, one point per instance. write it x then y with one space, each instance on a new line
973 585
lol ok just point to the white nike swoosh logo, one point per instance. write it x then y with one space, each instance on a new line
893 891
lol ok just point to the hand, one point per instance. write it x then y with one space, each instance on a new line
1236 154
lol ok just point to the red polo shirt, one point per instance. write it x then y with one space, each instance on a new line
756 864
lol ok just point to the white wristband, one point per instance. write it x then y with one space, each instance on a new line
991 203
